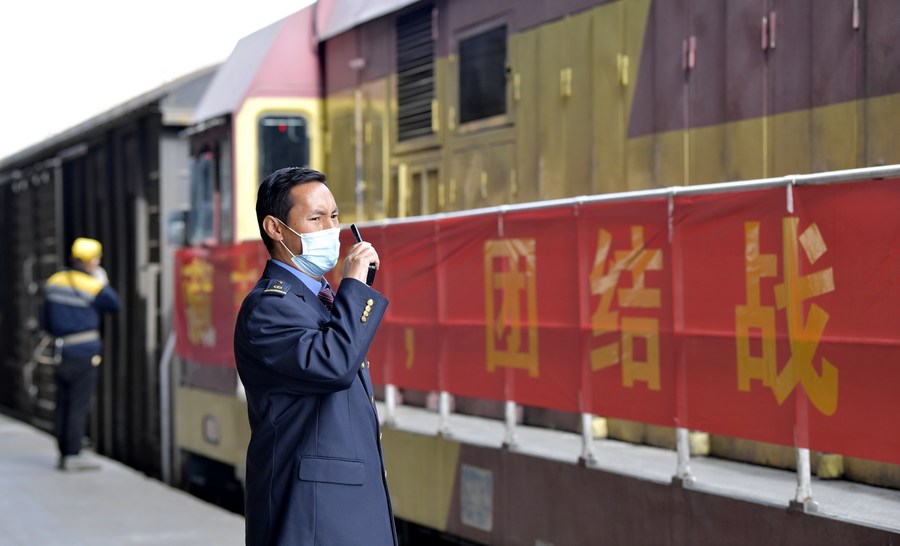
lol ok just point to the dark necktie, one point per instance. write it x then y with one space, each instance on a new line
326 296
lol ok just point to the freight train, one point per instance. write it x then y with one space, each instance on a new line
424 115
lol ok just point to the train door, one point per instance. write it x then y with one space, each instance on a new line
373 130
878 26
341 116
705 45
111 192
552 92
524 47
742 92
30 238
659 117
615 33
86 192
813 54
340 149
788 53
835 85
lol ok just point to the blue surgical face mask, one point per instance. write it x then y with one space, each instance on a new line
320 250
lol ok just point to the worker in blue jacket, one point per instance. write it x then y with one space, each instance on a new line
315 472
74 300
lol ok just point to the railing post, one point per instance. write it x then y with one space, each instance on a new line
511 441
588 457
803 500
165 408
683 448
444 413
390 402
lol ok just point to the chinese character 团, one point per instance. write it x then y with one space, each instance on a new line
510 272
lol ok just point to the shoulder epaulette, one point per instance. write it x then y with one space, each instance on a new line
277 288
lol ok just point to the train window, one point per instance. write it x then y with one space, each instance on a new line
225 200
482 75
415 74
203 188
283 142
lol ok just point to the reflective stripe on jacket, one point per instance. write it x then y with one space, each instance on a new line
73 302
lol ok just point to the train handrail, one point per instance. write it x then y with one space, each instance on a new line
811 179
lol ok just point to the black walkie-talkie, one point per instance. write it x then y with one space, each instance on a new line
370 277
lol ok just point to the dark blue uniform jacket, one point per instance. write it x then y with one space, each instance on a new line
74 301
315 472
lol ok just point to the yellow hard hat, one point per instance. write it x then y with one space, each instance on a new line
85 249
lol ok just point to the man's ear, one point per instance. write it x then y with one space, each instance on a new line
273 228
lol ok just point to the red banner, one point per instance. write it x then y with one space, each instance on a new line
789 334
767 313
625 275
210 285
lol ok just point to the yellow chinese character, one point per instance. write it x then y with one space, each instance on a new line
409 337
604 320
637 261
512 336
756 316
197 287
804 333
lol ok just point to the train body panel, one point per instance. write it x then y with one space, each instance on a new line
731 109
491 495
213 425
304 112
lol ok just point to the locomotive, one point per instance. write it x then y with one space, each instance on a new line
422 114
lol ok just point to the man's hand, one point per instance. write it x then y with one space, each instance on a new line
356 264
100 274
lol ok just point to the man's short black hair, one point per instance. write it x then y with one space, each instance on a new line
274 195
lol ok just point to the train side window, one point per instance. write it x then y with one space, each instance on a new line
225 191
283 142
203 189
482 75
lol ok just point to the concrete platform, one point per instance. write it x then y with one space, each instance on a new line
115 505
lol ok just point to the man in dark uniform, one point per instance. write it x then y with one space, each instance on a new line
315 472
74 300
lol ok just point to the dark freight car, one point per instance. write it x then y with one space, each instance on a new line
114 177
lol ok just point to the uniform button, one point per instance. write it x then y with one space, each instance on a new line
362 366
368 308
368 364
370 303
380 434
366 313
363 318
372 398
385 473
